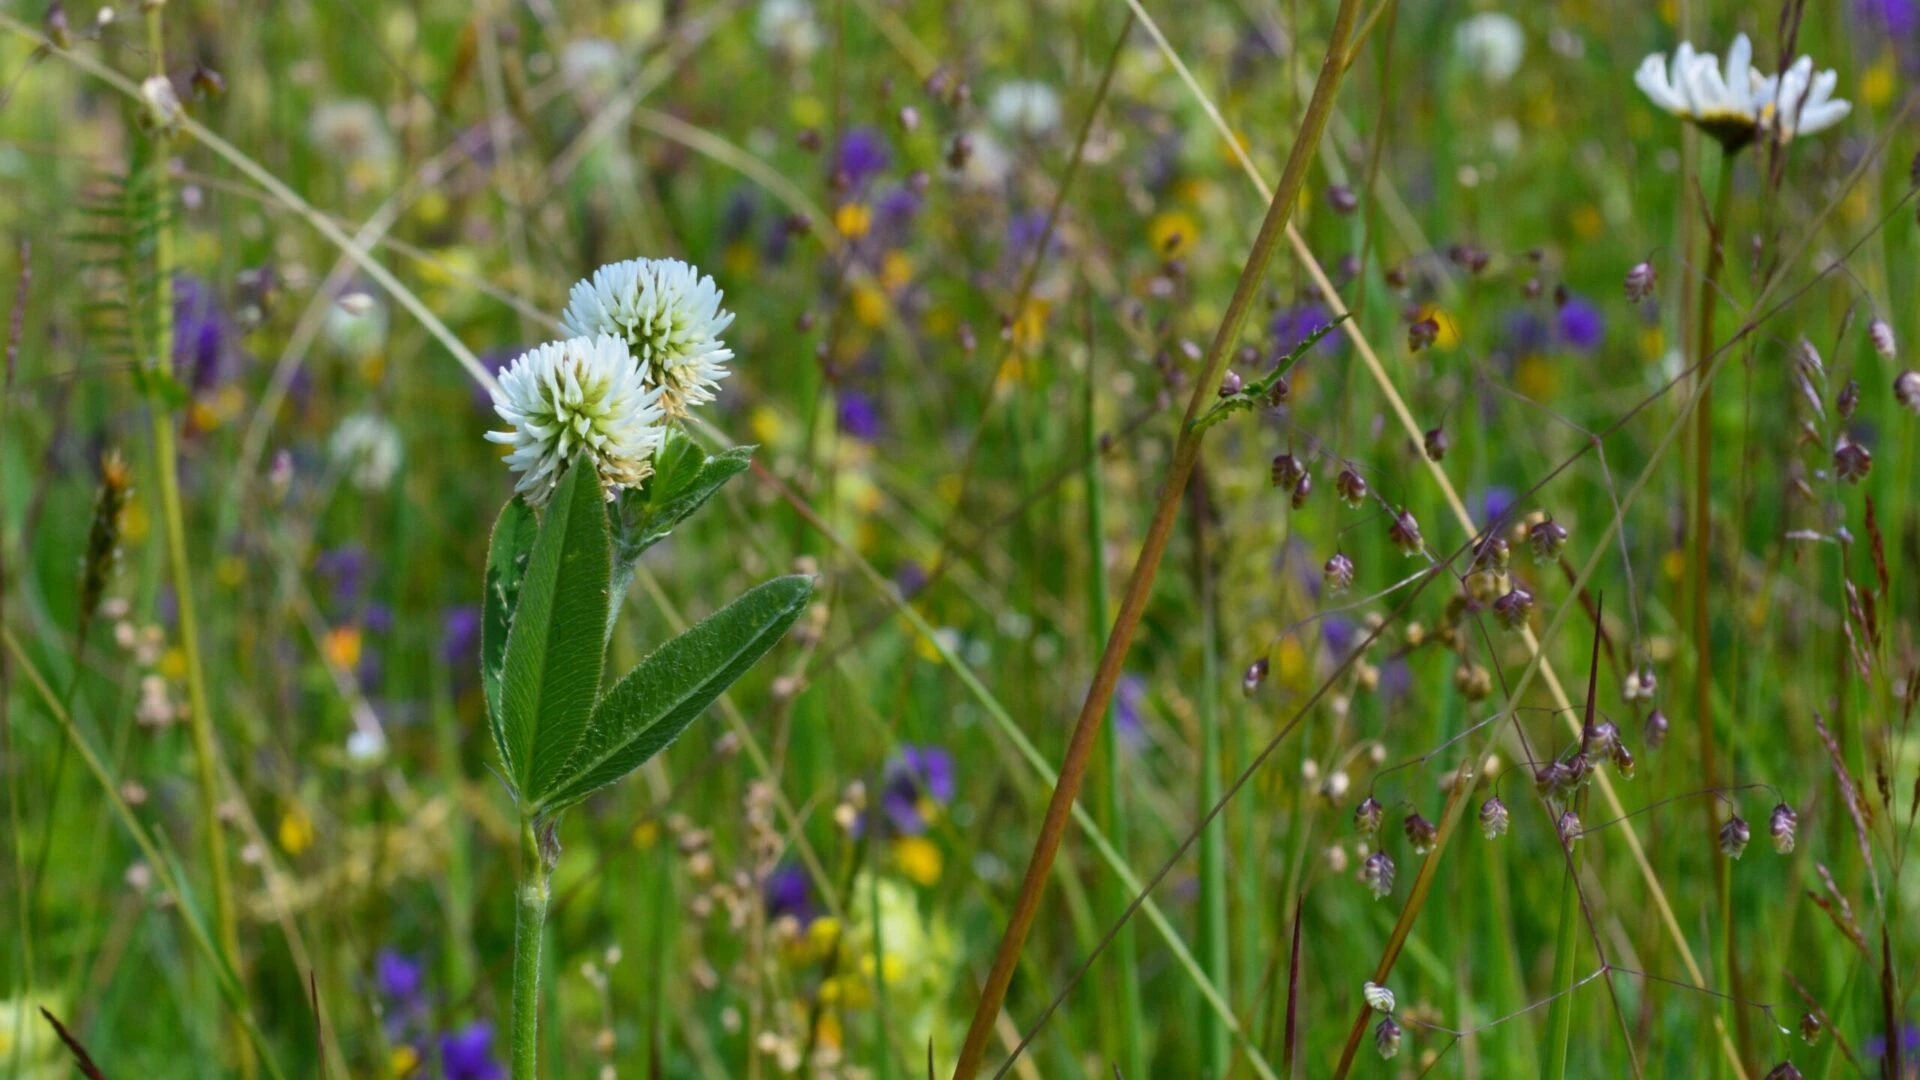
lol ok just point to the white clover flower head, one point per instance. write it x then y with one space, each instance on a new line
669 315
1491 43
1798 102
368 448
583 395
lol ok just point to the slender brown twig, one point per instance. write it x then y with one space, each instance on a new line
1186 452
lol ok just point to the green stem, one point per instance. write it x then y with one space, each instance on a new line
1699 563
167 465
1560 1015
535 887
1127 1042
1216 1051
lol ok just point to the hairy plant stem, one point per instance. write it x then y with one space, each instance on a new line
532 892
1698 562
167 467
1186 452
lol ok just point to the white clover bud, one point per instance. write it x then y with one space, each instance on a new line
583 395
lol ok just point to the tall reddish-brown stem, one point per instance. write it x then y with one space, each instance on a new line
1140 583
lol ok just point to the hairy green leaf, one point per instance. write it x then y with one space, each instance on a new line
507 554
684 478
554 645
648 709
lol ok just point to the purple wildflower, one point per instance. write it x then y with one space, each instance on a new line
1526 335
1580 324
788 892
204 354
1491 504
460 635
1294 325
397 977
862 156
344 569
917 780
858 415
1897 18
1339 634
467 1053
910 578
894 213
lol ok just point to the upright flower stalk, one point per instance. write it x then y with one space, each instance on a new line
604 473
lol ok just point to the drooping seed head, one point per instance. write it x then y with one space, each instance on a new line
1514 608
1493 818
1351 488
1623 760
1851 461
1810 1027
1377 874
1337 574
1881 335
1569 826
1366 816
1783 1071
1255 675
1405 533
1599 738
1640 683
1474 682
1781 825
1378 998
1848 400
1655 731
1547 539
1906 390
1436 443
1386 1037
1734 836
1302 488
1342 199
1423 333
1421 833
1552 780
1287 471
1642 279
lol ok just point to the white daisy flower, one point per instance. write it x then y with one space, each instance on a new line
1693 87
1734 106
1025 108
1491 43
368 448
1800 102
585 394
669 314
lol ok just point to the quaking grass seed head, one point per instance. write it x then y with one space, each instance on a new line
1810 1028
1286 471
1851 461
1734 836
1421 833
1781 825
1569 827
1547 539
1302 488
1405 533
1377 874
1906 390
1351 487
1337 574
1654 732
1783 1071
1642 280
1256 674
1474 682
1494 818
1514 608
1366 816
1881 335
1386 1037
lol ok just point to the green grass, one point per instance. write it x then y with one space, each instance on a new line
934 397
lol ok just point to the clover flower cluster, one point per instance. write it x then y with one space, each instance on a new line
643 348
